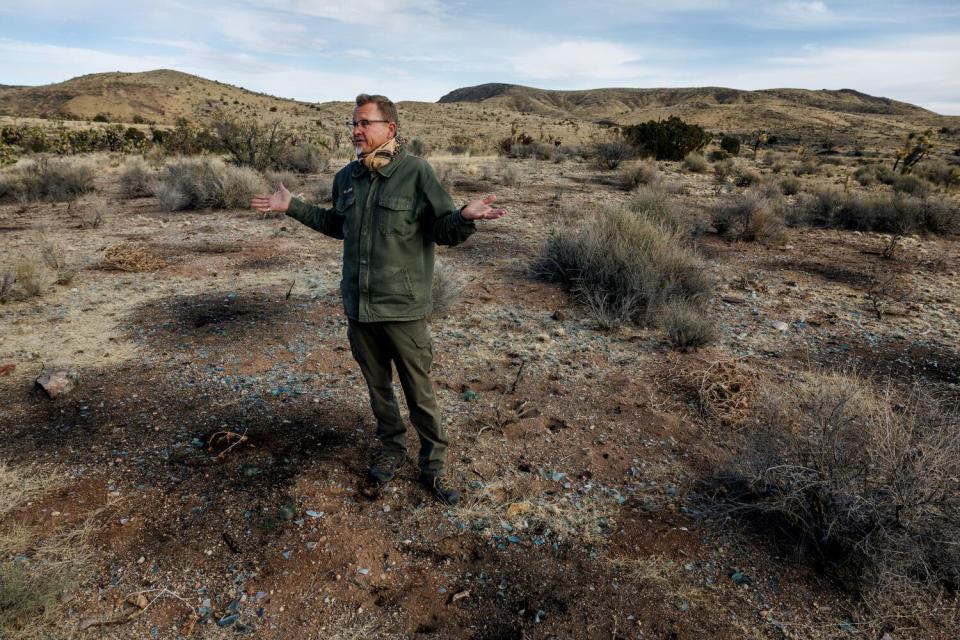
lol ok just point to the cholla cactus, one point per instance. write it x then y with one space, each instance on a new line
915 148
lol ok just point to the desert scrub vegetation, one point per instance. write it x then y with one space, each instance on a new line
638 173
446 290
137 180
52 179
200 183
36 568
609 155
864 480
694 162
669 139
629 262
901 214
749 217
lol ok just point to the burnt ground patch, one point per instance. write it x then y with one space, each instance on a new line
158 426
898 360
225 316
853 277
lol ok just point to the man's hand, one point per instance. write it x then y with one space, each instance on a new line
481 210
279 201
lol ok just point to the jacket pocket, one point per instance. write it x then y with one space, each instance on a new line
345 202
396 215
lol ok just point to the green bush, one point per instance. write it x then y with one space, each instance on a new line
669 139
730 144
626 265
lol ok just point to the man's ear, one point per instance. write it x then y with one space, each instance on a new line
393 129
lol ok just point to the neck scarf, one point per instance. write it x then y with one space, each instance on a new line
382 155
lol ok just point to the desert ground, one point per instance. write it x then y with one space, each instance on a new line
205 475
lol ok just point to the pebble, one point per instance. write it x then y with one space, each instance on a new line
226 621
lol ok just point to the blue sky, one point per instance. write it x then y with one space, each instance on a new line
421 49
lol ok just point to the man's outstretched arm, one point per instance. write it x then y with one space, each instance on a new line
326 221
449 225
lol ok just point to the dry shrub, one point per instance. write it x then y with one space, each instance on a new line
307 158
833 208
55 179
131 257
137 180
749 217
808 167
790 186
28 277
624 265
695 162
940 172
447 290
509 175
93 209
686 324
36 569
207 183
866 482
638 173
54 256
747 176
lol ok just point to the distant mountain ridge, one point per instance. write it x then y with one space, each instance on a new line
608 103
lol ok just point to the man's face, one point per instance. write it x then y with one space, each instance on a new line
376 133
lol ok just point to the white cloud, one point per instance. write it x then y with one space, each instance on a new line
32 63
259 31
603 61
923 70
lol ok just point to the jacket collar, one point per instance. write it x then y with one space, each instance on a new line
387 171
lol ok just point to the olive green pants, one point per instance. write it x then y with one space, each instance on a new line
407 345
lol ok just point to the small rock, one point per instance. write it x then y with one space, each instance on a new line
741 578
781 326
56 382
314 514
470 395
286 512
226 621
558 315
363 571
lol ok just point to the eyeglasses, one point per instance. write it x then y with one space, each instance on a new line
363 124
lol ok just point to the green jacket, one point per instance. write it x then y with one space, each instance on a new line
389 221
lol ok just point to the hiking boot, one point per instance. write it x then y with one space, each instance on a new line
385 467
440 489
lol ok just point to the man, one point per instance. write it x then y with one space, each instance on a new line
390 210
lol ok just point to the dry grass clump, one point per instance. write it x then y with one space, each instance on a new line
137 180
509 174
638 173
447 290
790 186
866 482
307 158
207 183
627 262
695 162
54 179
131 257
30 276
749 217
36 569
686 324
